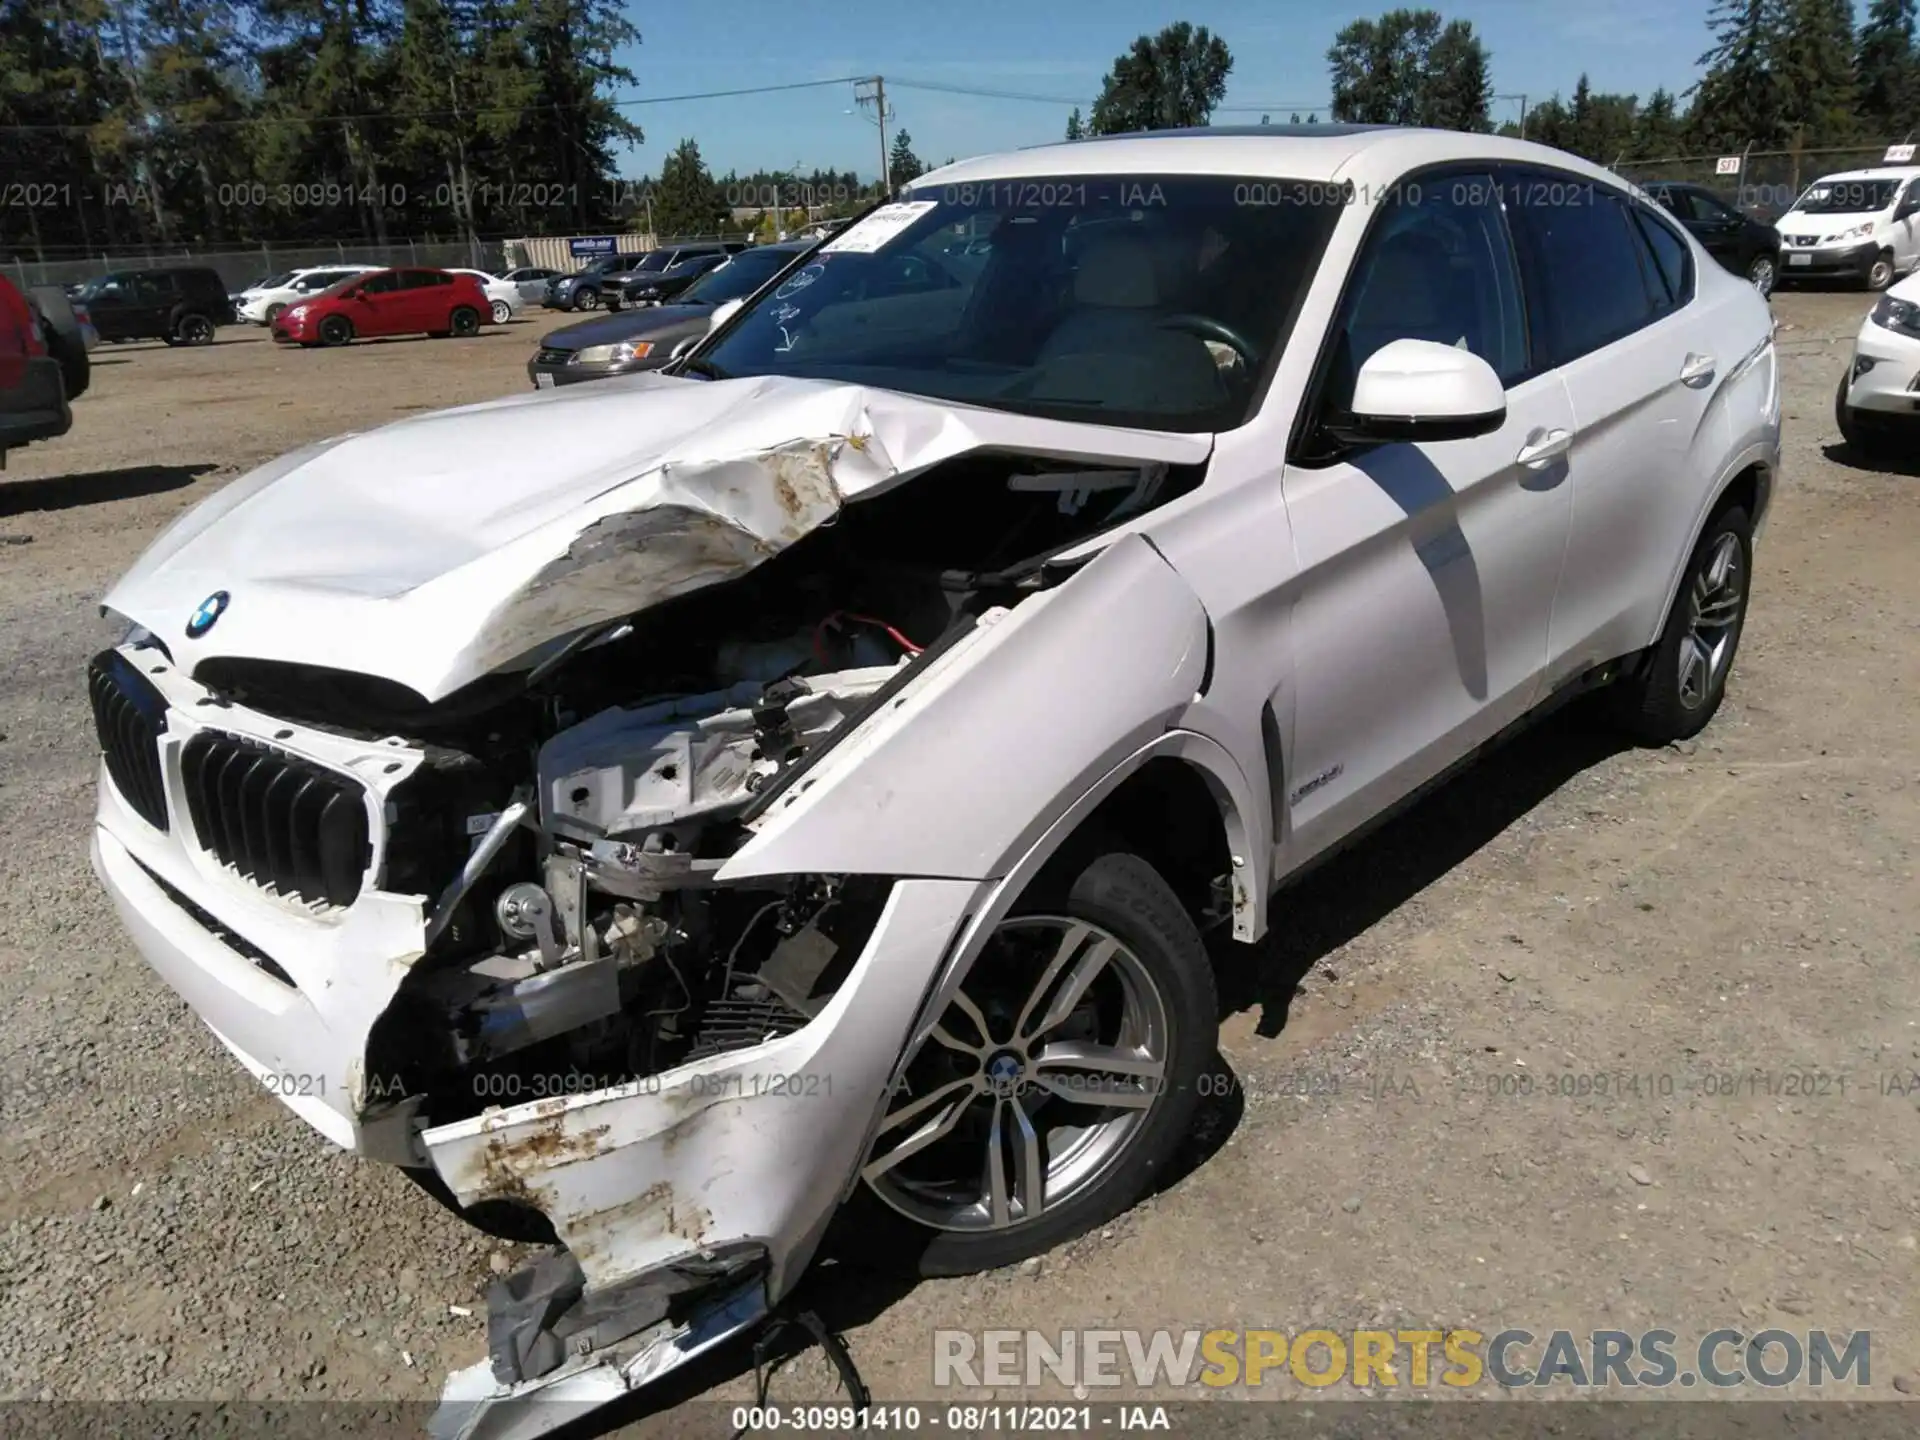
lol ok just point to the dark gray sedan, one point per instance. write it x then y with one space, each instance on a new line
647 338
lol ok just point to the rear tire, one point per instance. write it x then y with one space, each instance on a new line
1683 678
1158 974
465 321
502 312
193 329
336 330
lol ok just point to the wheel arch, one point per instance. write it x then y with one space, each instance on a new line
1191 774
1748 482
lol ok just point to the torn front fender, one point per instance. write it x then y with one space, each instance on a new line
962 772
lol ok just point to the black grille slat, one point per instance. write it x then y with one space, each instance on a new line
129 717
288 825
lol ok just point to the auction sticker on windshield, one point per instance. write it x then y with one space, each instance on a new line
878 228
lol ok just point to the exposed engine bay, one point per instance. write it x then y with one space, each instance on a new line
568 820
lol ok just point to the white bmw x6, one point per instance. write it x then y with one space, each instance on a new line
658 813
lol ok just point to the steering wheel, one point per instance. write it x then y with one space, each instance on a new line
1209 328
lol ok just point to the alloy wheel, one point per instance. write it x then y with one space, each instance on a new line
1761 273
1029 1091
1716 596
502 312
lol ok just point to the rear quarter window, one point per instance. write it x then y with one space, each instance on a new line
1671 258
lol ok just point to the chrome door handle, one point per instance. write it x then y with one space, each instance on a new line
1697 371
1543 446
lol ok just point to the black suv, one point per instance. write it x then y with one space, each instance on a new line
181 306
1739 242
667 271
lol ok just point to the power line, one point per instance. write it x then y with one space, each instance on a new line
623 103
982 93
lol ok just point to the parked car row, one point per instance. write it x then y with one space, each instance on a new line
1862 225
637 277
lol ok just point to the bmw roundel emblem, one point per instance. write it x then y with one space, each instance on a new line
211 609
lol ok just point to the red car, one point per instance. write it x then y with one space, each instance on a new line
33 392
386 302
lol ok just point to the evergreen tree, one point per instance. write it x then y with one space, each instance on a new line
1887 70
1075 129
1740 100
903 166
686 201
1813 63
1656 129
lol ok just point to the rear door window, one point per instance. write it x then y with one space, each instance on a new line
1588 271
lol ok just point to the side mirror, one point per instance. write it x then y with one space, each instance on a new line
723 313
1420 390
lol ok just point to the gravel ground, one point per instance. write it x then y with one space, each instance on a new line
1396 1151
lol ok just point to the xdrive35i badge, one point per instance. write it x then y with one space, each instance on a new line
210 610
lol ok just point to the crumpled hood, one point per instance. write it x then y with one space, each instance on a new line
440 548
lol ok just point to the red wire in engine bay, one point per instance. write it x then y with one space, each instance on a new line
834 621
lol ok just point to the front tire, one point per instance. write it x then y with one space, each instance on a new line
586 299
1684 677
1062 1078
274 312
1880 274
336 330
1763 274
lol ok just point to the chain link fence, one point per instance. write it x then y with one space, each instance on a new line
1767 181
240 268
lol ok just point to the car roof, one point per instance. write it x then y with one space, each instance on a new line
1292 152
1872 172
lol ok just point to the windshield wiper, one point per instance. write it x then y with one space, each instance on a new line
700 365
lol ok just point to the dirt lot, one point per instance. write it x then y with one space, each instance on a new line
1733 921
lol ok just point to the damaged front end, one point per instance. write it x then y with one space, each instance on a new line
487 930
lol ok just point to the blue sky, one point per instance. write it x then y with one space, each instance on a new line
1063 48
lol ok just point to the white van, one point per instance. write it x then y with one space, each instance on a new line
1859 223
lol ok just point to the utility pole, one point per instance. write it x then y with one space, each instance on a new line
873 91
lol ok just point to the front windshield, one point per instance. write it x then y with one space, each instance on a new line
1143 300
1847 197
650 263
272 282
738 278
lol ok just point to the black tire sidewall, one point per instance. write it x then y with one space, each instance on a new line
463 322
1651 706
334 330
1125 895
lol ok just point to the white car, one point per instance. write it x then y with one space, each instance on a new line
667 810
262 304
530 282
503 295
1878 404
1862 224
